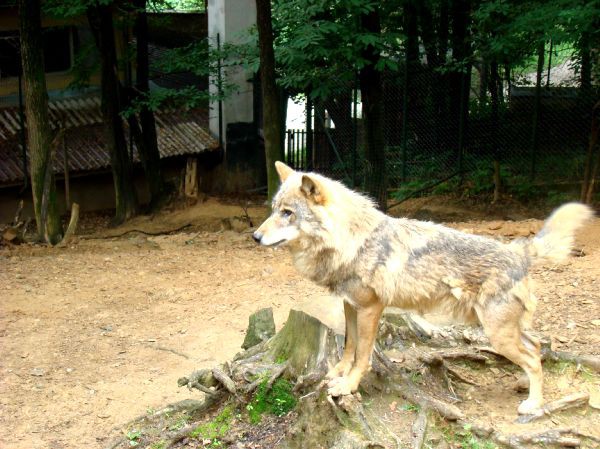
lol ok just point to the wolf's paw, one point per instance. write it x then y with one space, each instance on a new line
530 406
341 386
341 369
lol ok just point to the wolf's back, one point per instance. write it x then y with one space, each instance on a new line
555 240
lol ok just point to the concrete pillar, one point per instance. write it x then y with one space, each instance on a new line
230 20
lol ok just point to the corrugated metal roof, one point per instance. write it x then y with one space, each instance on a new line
178 132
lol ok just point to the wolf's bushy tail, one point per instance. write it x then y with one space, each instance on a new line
555 240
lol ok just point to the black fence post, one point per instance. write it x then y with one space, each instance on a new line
354 129
309 135
537 109
464 108
404 118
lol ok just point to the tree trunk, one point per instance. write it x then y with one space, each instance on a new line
149 153
460 54
371 92
39 133
495 88
101 22
270 95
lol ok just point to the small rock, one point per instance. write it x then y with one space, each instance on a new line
562 338
522 384
494 370
571 325
70 370
595 322
261 327
39 372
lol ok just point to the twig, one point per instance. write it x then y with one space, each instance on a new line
164 232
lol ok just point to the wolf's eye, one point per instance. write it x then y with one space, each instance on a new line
286 213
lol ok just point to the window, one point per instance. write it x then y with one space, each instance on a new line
57 51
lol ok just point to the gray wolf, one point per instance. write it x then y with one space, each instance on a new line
338 239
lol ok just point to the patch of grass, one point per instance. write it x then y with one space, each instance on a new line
416 377
558 366
134 437
281 359
180 422
588 375
216 429
277 401
465 438
159 445
411 407
562 367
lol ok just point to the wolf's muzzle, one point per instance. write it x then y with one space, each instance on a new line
257 236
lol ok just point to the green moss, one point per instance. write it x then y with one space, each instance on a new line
277 401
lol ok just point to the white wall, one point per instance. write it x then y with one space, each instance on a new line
231 19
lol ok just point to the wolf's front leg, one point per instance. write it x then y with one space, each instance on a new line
344 366
367 325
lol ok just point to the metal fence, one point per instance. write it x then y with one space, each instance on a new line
535 138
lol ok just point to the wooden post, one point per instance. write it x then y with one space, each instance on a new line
66 165
191 178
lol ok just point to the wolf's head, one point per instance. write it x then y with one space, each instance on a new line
295 214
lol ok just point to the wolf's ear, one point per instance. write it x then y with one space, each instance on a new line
312 189
283 170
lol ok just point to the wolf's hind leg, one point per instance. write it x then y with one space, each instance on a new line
344 366
501 320
367 319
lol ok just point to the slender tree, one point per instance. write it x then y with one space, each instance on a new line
149 146
39 133
371 92
270 95
101 22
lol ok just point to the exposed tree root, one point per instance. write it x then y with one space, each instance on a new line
554 437
419 428
588 361
574 400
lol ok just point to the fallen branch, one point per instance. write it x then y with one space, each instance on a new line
574 400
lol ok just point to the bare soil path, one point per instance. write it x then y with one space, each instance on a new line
97 333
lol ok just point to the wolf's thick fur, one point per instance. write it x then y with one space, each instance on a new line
339 240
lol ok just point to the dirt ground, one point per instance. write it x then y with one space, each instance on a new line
97 333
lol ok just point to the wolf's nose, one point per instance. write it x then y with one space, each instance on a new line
257 236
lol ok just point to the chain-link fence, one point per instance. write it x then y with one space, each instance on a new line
458 135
